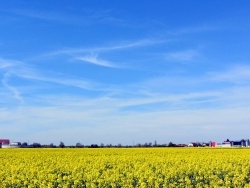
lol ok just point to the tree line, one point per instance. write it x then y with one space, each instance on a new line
80 145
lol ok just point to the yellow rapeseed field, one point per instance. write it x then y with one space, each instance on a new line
152 167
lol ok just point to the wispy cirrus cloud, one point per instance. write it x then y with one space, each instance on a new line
182 56
91 55
50 16
133 44
239 74
16 94
115 46
8 64
196 29
26 71
93 59
7 67
85 17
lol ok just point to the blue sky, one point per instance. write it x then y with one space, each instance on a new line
124 71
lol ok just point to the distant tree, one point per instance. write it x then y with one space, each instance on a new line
138 145
102 145
198 144
155 144
94 146
119 145
61 145
147 144
51 145
36 145
79 145
24 144
109 145
195 144
171 144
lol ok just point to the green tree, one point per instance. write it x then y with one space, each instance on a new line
61 145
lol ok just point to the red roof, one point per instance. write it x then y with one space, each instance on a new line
7 141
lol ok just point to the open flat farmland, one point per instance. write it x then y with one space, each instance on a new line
153 167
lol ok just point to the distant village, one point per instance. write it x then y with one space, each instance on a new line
6 143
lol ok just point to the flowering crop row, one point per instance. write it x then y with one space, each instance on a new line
151 167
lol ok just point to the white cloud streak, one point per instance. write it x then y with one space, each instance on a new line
23 70
196 29
83 19
122 45
92 59
237 74
14 90
182 56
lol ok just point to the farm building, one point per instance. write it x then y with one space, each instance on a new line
12 145
192 144
228 143
241 143
4 142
